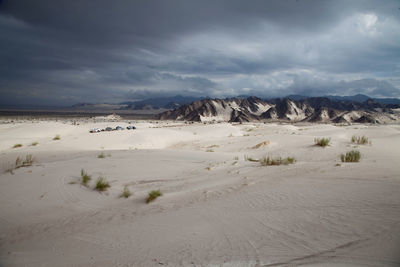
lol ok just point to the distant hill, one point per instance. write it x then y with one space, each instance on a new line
356 98
102 106
394 101
160 102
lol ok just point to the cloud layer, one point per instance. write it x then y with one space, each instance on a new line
62 52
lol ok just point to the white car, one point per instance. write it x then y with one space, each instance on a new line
95 130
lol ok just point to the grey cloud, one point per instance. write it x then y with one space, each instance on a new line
186 86
111 50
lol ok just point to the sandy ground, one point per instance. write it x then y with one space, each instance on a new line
217 208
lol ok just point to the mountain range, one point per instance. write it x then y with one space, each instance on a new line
309 109
177 101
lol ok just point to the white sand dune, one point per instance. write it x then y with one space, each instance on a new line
217 209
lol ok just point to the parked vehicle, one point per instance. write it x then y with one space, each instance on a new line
109 129
131 127
95 130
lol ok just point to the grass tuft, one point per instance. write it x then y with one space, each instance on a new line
85 177
34 143
247 158
126 193
322 141
153 195
351 156
17 145
265 143
210 150
267 161
29 159
101 184
57 137
101 155
213 146
360 140
20 162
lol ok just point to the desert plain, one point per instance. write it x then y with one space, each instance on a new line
219 205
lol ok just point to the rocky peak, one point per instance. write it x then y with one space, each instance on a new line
314 109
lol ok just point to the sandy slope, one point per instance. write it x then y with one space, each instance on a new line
217 208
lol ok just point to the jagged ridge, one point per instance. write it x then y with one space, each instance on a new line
313 109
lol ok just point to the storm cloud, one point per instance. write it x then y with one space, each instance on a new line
63 52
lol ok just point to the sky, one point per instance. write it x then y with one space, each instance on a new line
55 52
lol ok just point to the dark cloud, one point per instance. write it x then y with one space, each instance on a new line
62 52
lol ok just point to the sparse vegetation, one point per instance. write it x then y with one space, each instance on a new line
126 193
351 156
34 143
153 195
247 158
28 161
85 177
19 162
57 137
17 145
265 143
236 158
213 146
101 184
267 161
322 141
210 150
101 155
360 140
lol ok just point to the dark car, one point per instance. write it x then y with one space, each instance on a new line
118 128
109 129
